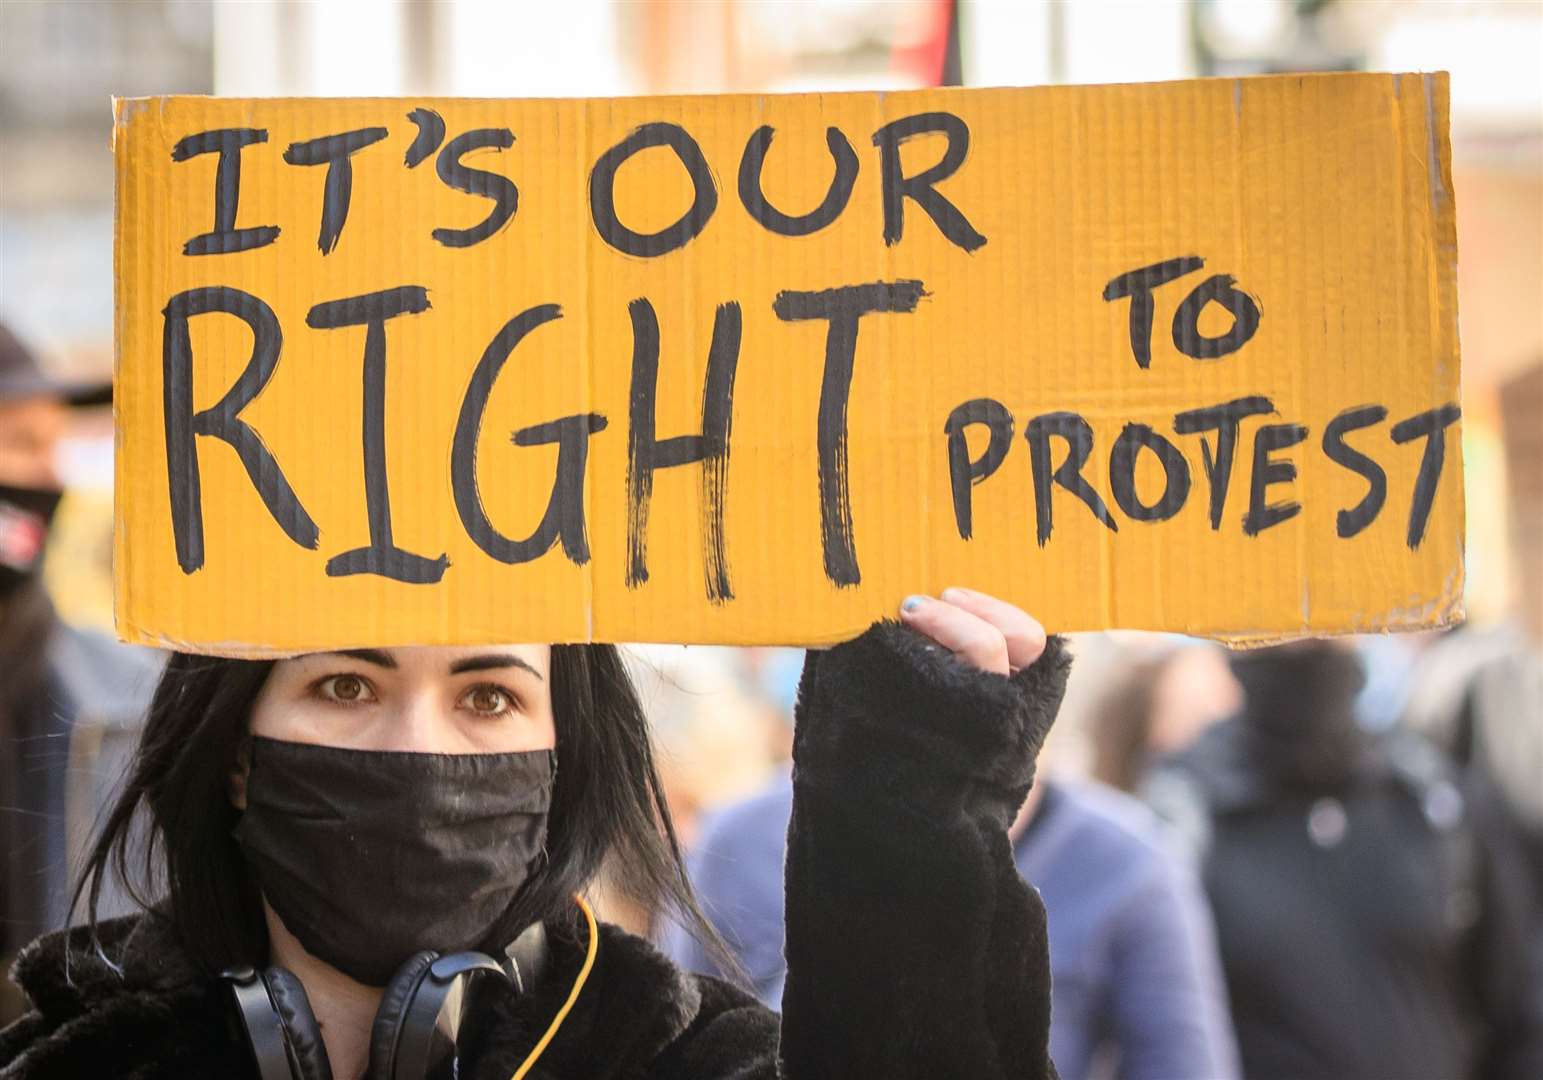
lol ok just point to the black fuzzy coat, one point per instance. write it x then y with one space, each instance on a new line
914 948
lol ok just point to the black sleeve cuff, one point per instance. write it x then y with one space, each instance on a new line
894 693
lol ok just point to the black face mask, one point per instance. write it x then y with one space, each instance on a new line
370 856
1299 712
25 514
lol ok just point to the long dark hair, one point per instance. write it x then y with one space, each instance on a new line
167 838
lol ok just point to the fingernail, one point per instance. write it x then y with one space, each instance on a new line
912 603
958 591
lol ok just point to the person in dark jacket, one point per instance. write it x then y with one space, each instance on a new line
332 813
66 694
1371 917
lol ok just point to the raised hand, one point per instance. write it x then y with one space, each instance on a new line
981 630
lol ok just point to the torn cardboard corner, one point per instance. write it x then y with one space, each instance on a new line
752 369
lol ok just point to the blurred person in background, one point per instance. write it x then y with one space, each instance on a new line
1371 916
54 678
714 744
1136 987
714 732
1479 693
736 860
1155 700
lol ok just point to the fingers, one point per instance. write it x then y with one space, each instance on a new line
968 636
1024 636
981 630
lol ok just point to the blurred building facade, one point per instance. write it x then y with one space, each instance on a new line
60 65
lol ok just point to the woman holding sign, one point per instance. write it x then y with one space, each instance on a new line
369 863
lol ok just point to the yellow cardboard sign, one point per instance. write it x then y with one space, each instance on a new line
754 368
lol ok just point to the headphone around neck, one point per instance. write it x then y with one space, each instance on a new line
419 1020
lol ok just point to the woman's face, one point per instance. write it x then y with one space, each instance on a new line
428 699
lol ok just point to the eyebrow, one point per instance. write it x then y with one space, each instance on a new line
369 656
490 661
483 662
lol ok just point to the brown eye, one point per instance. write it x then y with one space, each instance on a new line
488 700
346 690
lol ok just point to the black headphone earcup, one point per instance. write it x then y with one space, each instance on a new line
393 1007
308 1052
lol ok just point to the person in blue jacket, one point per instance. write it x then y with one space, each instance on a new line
1135 979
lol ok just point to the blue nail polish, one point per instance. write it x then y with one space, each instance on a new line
912 603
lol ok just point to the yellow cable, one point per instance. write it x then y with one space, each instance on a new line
573 995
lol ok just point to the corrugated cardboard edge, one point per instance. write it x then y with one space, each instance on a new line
1450 610
124 110
1440 613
